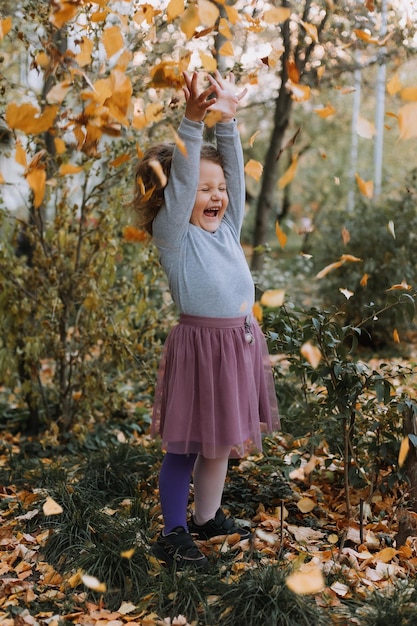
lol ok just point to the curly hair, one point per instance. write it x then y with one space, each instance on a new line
151 177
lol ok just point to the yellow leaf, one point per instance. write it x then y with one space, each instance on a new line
157 168
50 507
257 311
60 146
394 85
174 9
42 59
36 179
112 40
212 118
311 30
281 236
99 16
254 169
365 187
273 298
5 26
288 176
127 554
409 93
402 285
232 14
325 111
386 555
252 139
306 581
93 583
208 12
333 538
276 15
2 180
306 505
404 448
407 119
364 128
57 93
83 58
20 154
70 168
329 268
189 21
62 12
350 258
224 29
120 160
179 142
311 353
209 63
300 93
226 50
396 336
75 579
29 119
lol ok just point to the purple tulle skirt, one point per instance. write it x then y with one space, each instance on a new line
215 389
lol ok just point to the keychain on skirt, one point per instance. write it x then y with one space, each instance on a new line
249 338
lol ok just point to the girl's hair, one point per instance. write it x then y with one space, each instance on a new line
151 176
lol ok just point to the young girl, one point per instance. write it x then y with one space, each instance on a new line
215 389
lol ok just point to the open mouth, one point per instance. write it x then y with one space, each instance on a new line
211 212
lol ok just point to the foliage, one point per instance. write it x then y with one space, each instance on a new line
381 235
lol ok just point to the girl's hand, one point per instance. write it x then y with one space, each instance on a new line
227 100
197 104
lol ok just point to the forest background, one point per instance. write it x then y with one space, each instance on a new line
329 130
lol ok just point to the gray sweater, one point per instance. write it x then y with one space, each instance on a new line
207 272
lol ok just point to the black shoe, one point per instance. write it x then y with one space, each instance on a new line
220 525
178 547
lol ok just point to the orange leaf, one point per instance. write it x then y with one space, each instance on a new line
402 285
63 12
29 119
276 15
288 176
306 505
365 36
69 168
311 353
50 507
365 187
5 26
281 236
394 85
208 12
254 169
179 142
60 146
325 111
404 448
232 14
123 158
83 58
132 234
2 179
306 581
189 21
300 93
93 583
57 93
345 235
252 139
409 93
407 119
112 40
174 9
364 280
311 30
36 179
273 298
396 336
20 154
257 311
157 168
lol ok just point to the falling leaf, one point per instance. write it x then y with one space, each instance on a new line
208 12
2 179
5 26
50 507
407 119
391 228
308 581
289 174
329 268
311 353
257 311
224 29
281 236
409 93
157 168
300 93
232 14
36 179
404 448
57 94
29 119
120 160
402 285
93 583
83 58
289 143
189 21
127 554
396 336
325 111
311 30
174 9
60 146
254 169
69 168
63 11
365 36
348 294
394 85
306 505
208 62
252 139
345 235
20 154
365 187
179 142
112 40
273 298
276 15
364 128
226 50
364 280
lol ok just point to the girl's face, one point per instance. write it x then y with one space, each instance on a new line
211 200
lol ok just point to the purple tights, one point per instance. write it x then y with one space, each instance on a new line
174 488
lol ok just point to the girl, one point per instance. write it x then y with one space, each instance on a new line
215 389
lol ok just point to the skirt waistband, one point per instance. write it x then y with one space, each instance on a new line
215 322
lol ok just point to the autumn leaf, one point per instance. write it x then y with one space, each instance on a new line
289 174
208 12
345 235
391 228
254 169
93 583
345 258
311 30
36 179
308 580
83 58
174 9
56 95
60 146
5 26
257 311
311 353
394 85
306 505
157 168
132 234
226 50
50 507
281 236
276 15
396 336
402 285
365 36
365 187
253 137
20 154
70 168
2 179
62 12
364 128
273 298
346 292
120 160
29 119
189 21
325 111
404 448
224 29
208 62
300 93
112 40
364 280
179 142
407 120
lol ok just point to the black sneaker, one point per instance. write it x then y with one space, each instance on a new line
178 547
220 525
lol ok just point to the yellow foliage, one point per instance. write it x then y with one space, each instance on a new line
254 169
